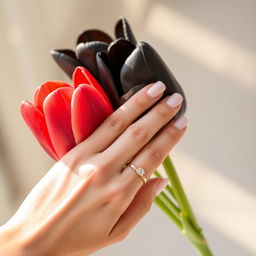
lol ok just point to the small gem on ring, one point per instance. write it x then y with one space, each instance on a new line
140 171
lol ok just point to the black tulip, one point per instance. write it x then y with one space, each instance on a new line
122 66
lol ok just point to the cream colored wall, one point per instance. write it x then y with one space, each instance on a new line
210 47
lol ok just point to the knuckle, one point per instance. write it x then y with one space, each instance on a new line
140 102
155 155
100 168
163 111
117 192
104 165
172 133
138 133
97 177
115 122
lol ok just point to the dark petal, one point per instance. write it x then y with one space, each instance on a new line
118 52
66 59
145 66
93 35
123 30
86 53
106 79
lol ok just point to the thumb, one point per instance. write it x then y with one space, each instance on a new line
138 208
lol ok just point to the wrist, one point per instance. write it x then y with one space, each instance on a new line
12 242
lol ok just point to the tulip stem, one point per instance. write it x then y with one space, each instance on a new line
189 224
173 208
183 224
179 192
160 203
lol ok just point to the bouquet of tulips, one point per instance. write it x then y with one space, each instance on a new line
105 73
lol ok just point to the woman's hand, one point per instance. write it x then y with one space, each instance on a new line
87 201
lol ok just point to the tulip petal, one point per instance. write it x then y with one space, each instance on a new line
86 53
82 76
42 92
93 35
57 111
36 93
118 52
123 30
89 110
134 71
144 66
107 81
36 123
66 59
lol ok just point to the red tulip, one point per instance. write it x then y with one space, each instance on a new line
62 115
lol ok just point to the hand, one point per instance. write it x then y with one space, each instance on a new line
87 201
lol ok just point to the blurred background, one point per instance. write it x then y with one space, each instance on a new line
210 46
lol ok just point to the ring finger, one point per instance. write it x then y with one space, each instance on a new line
153 154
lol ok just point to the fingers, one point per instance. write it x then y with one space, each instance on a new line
116 123
138 208
153 154
137 135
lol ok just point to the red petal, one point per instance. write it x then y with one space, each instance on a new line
89 110
36 122
42 92
82 76
57 111
36 93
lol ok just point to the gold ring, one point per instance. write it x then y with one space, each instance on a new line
140 171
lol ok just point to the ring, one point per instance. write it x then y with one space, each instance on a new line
140 171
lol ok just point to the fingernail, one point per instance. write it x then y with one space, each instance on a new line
161 186
174 100
181 123
156 89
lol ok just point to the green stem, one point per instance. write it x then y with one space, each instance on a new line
179 192
175 210
187 229
203 249
190 227
159 202
170 191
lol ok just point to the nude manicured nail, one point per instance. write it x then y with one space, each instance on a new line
161 186
174 100
156 89
181 123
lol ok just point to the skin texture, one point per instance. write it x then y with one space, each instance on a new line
87 201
